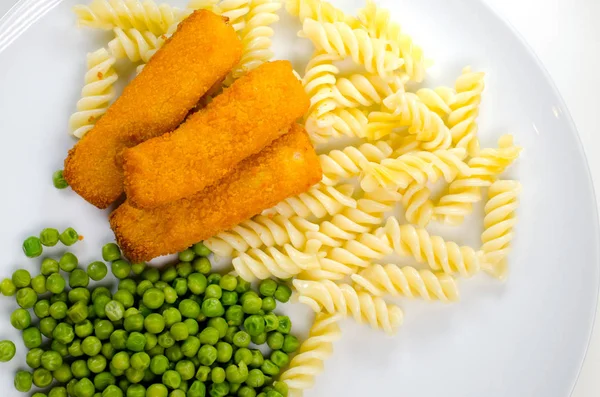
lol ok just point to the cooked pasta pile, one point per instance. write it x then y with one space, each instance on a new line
332 239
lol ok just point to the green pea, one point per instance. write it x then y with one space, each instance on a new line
47 326
104 380
214 278
231 331
58 391
134 323
32 247
23 381
186 369
237 373
108 350
283 293
192 326
212 307
246 391
174 353
84 329
179 331
136 342
136 391
20 319
257 358
96 364
42 308
84 388
103 329
168 274
229 298
184 268
119 339
157 350
201 250
26 298
255 378
100 305
190 347
202 373
114 310
254 325
217 375
68 262
111 252
180 286
63 333
187 255
209 336
271 322
21 278
171 379
7 350
49 266
224 352
79 294
32 338
121 268
51 360
171 316
154 323
197 283
140 361
59 181
55 283
159 364
63 373
58 310
197 389
112 391
259 339
234 315
219 389
268 304
243 355
78 312
125 297
91 346
153 298
34 358
68 237
207 355
75 349
120 361
7 287
251 304
166 340
138 268
123 384
279 358
241 339
213 291
285 324
202 265
290 344
268 287
189 308
157 390
134 375
38 284
49 237
97 270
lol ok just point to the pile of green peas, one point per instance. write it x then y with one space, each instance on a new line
173 332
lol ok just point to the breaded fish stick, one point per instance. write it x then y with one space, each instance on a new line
287 167
254 111
200 53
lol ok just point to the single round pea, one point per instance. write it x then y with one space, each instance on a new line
159 364
224 352
283 293
34 358
259 339
32 338
68 262
74 349
125 297
197 389
241 339
231 331
279 358
179 331
251 304
99 305
84 329
59 181
138 268
136 342
213 278
49 266
103 329
171 316
136 391
192 326
257 358
140 360
99 291
209 336
7 350
285 324
201 250
166 340
119 339
68 237
268 304
154 323
120 361
47 326
23 381
49 237
228 282
51 360
97 270
84 388
157 350
184 269
187 255
171 379
104 380
217 375
78 312
157 390
60 348
21 278
58 310
212 307
246 391
202 265
55 283
255 378
290 344
202 373
186 369
114 310
96 364
7 287
153 298
237 373
121 268
111 252
38 284
108 350
78 278
151 274
42 308
63 333
213 291
123 384
32 247
197 283
207 355
219 389
112 391
134 375
20 319
26 298
254 325
234 315
229 298
91 346
180 286
190 347
243 354
189 308
219 324
271 322
63 373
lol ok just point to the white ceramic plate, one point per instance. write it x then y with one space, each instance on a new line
526 337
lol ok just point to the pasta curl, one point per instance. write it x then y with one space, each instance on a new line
351 161
465 109
319 10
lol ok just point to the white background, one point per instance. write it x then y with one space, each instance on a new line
564 34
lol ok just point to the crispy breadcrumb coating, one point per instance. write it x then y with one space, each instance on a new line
257 109
289 166
201 52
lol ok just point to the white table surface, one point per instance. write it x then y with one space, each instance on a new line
564 34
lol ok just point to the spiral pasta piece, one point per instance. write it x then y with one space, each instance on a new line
438 100
418 207
379 24
272 262
135 45
485 168
321 200
318 347
363 250
338 38
351 161
405 109
128 14
421 167
350 122
318 81
262 231
403 144
235 10
321 11
364 90
96 94
440 255
407 281
462 121
344 299
499 222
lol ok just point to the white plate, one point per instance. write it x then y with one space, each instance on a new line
526 337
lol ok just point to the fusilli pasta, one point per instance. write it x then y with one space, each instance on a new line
272 262
262 231
319 10
96 94
235 10
345 300
321 200
364 90
135 45
407 281
345 122
466 189
351 161
465 109
421 167
499 222
438 100
340 39
317 348
128 14
379 24
418 207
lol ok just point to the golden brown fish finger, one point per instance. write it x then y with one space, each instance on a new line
200 53
254 111
289 166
